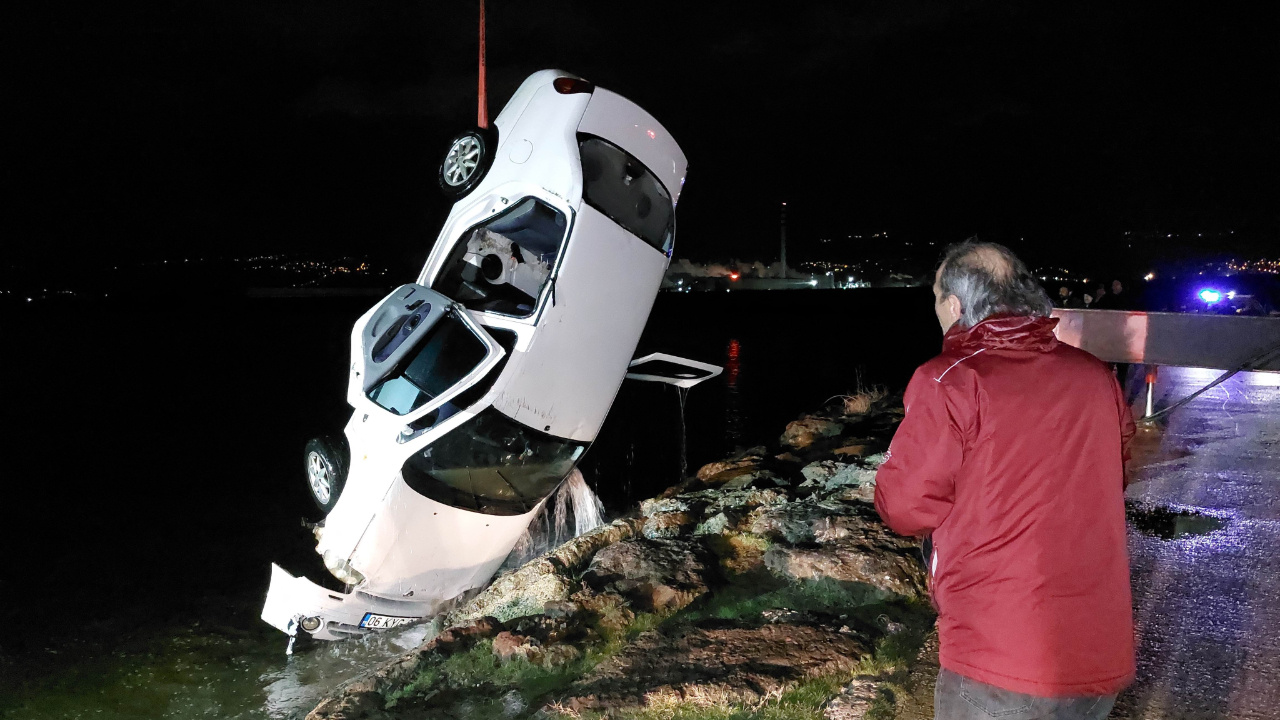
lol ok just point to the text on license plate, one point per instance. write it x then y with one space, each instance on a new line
382 622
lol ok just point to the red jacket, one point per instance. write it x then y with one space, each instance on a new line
1012 455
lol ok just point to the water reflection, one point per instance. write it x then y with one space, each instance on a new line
733 415
292 690
210 668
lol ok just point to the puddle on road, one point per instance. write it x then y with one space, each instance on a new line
1169 524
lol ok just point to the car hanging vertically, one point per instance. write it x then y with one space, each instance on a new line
477 389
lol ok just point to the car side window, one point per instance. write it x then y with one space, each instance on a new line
620 186
502 264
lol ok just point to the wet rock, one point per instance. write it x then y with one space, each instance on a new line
611 613
709 471
543 628
886 563
352 705
821 471
715 665
854 700
656 574
739 553
513 704
559 654
852 475
831 474
658 505
561 609
714 525
853 450
524 591
576 554
803 522
875 461
864 492
462 637
754 477
742 501
668 524
803 433
508 645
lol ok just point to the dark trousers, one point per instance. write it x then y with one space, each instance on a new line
956 697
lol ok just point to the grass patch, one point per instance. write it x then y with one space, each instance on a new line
827 596
482 677
804 701
475 683
891 660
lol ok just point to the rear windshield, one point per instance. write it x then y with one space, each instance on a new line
446 354
493 465
620 186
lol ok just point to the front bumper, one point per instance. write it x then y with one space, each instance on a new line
295 603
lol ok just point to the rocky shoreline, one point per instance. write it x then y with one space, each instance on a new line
764 586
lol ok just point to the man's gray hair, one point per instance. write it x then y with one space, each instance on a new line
990 280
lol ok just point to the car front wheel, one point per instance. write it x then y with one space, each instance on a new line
326 459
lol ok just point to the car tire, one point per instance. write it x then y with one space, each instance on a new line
467 161
327 460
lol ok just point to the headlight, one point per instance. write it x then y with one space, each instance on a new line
341 569
310 624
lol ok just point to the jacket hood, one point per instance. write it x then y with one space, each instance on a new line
1004 332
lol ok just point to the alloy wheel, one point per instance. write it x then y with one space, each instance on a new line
320 477
461 162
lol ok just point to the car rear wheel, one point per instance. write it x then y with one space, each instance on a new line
468 159
327 462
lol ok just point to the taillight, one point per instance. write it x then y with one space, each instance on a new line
569 86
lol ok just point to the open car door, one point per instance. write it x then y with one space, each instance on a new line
418 351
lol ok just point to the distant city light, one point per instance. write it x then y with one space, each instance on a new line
1210 295
1149 277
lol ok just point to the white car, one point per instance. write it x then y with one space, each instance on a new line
478 388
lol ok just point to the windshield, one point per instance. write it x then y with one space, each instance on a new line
446 354
492 464
620 186
502 264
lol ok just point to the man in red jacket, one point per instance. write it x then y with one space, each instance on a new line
1011 458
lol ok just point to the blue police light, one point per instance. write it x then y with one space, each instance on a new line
1210 295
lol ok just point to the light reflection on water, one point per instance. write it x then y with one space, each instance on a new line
733 411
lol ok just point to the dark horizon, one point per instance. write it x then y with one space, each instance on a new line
232 128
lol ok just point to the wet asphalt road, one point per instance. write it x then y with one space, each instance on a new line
1207 606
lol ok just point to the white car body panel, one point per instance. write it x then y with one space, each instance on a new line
566 382
410 554
440 552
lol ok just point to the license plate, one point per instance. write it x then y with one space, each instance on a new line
383 622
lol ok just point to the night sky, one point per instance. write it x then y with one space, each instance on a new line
225 127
